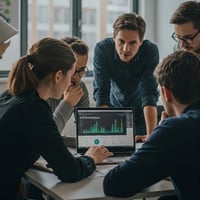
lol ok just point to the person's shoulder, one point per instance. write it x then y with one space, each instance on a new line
30 100
175 125
25 102
148 44
35 105
5 98
149 48
105 47
82 84
33 98
4 93
106 42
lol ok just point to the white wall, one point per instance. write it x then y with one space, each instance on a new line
157 14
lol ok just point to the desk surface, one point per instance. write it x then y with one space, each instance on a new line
88 188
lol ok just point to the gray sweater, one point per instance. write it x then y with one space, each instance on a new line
62 111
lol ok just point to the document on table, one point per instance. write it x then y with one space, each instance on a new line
42 165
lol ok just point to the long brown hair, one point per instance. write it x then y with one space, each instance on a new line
45 56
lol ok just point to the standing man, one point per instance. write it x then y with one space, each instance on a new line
76 95
186 21
123 72
173 148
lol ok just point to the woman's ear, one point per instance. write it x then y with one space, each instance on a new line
57 76
167 94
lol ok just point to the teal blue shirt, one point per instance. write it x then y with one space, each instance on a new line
121 84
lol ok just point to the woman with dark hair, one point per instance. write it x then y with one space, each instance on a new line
28 130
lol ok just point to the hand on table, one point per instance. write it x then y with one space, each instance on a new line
98 153
141 138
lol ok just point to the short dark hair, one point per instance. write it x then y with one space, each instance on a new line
78 46
180 73
130 21
188 11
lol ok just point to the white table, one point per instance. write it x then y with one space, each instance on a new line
88 188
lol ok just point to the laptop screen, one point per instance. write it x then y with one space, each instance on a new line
111 127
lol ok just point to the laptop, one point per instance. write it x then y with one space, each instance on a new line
6 30
111 127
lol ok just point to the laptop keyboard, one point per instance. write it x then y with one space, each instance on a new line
122 154
114 160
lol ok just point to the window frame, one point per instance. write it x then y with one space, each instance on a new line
76 25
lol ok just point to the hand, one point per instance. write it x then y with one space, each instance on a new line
3 47
73 94
98 153
141 138
103 106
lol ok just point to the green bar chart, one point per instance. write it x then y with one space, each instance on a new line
116 127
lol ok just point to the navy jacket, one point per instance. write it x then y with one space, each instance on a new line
173 149
121 84
27 131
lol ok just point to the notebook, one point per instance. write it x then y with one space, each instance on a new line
6 30
111 127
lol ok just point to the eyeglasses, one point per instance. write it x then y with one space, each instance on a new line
81 71
186 39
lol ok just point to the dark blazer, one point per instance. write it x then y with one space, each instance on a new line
27 131
172 150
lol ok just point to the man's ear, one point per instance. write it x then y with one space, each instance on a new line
167 94
141 41
57 76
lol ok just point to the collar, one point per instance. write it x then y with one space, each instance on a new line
194 105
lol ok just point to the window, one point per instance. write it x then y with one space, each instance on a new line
9 11
49 18
42 14
90 20
97 19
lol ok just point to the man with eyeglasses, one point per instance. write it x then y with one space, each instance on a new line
77 94
186 21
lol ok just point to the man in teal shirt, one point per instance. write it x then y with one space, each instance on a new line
123 72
